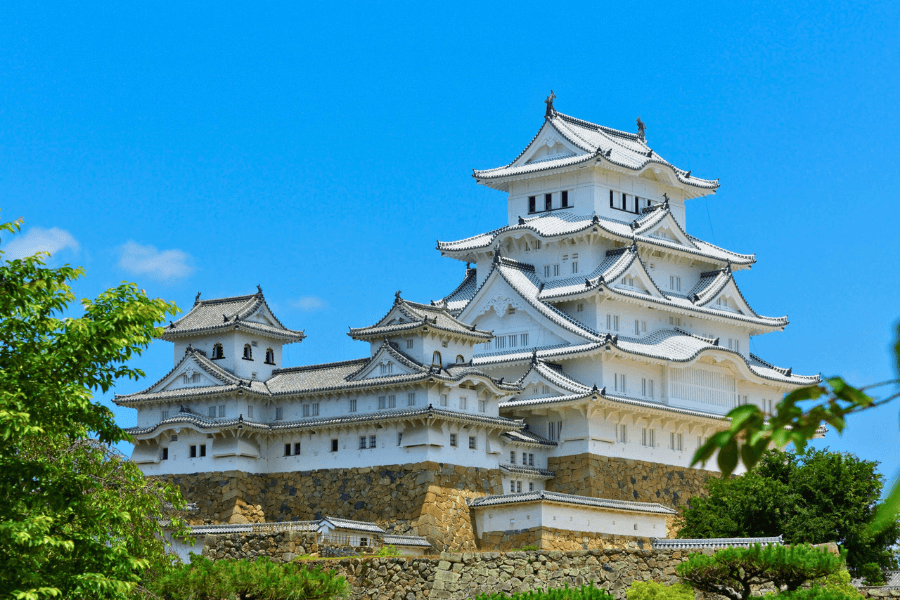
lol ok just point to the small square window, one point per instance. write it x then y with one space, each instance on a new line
409 344
334 445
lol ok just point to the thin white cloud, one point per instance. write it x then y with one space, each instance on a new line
38 239
162 265
309 303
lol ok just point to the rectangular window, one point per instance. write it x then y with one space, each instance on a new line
574 266
554 430
612 322
556 270
334 445
675 283
523 339
623 433
472 444
518 487
193 451
453 440
399 438
165 454
512 457
306 410
279 414
249 411
537 244
530 459
675 441
500 342
392 401
647 436
372 441
647 387
362 442
482 406
463 403
637 328
315 409
411 399
531 204
512 487
221 411
202 450
511 340
287 449
624 201
382 402
352 404
212 412
676 321
409 344
546 270
164 415
580 307
612 203
565 198
548 201
296 447
530 486
445 400
619 382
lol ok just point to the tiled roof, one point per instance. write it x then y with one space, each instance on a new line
891 580
545 496
353 525
405 541
413 316
712 543
528 438
255 527
565 223
598 143
225 314
528 472
456 300
429 412
230 383
673 345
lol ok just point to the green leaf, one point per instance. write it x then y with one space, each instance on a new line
888 511
728 457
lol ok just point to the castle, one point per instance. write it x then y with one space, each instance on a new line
560 389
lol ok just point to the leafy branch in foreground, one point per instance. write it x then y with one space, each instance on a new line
751 433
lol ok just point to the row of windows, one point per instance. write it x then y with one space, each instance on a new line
628 202
511 340
219 352
515 487
527 458
548 202
620 384
648 438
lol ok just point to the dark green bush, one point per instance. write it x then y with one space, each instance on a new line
585 592
260 579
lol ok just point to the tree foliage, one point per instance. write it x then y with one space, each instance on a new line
77 520
651 590
813 497
732 572
751 433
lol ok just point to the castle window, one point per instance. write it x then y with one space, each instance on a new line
548 201
411 399
675 441
306 410
459 359
512 487
409 343
580 307
392 401
647 387
287 449
612 203
165 454
279 413
675 283
221 411
574 266
482 406
164 415
565 198
612 322
218 352
363 542
399 438
472 442
531 204
648 437
372 443
523 339
315 409
530 460
382 402
530 486
518 487
212 412
352 404
202 450
512 339
512 457
249 411
334 445
554 430
193 453
248 352
463 403
676 321
622 431
362 442
436 359
270 356
537 244
453 440
445 400
387 368
500 342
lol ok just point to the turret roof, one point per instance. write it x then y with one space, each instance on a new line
565 223
225 314
592 143
406 317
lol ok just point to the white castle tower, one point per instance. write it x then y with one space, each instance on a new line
571 375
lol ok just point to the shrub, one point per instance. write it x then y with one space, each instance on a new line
731 572
261 579
871 574
650 590
585 592
388 550
815 593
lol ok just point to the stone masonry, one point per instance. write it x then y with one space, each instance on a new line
548 538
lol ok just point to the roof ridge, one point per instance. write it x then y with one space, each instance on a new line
303 368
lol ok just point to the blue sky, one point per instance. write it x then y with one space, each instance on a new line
320 150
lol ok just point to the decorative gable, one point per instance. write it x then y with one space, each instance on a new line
667 228
549 144
387 362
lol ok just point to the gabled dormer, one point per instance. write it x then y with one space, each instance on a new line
240 334
387 362
429 334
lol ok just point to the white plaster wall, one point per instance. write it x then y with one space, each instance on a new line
570 518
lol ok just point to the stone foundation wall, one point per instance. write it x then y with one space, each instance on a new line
281 546
426 498
548 538
624 479
880 592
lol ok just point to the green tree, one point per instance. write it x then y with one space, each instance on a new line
732 572
76 519
815 496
